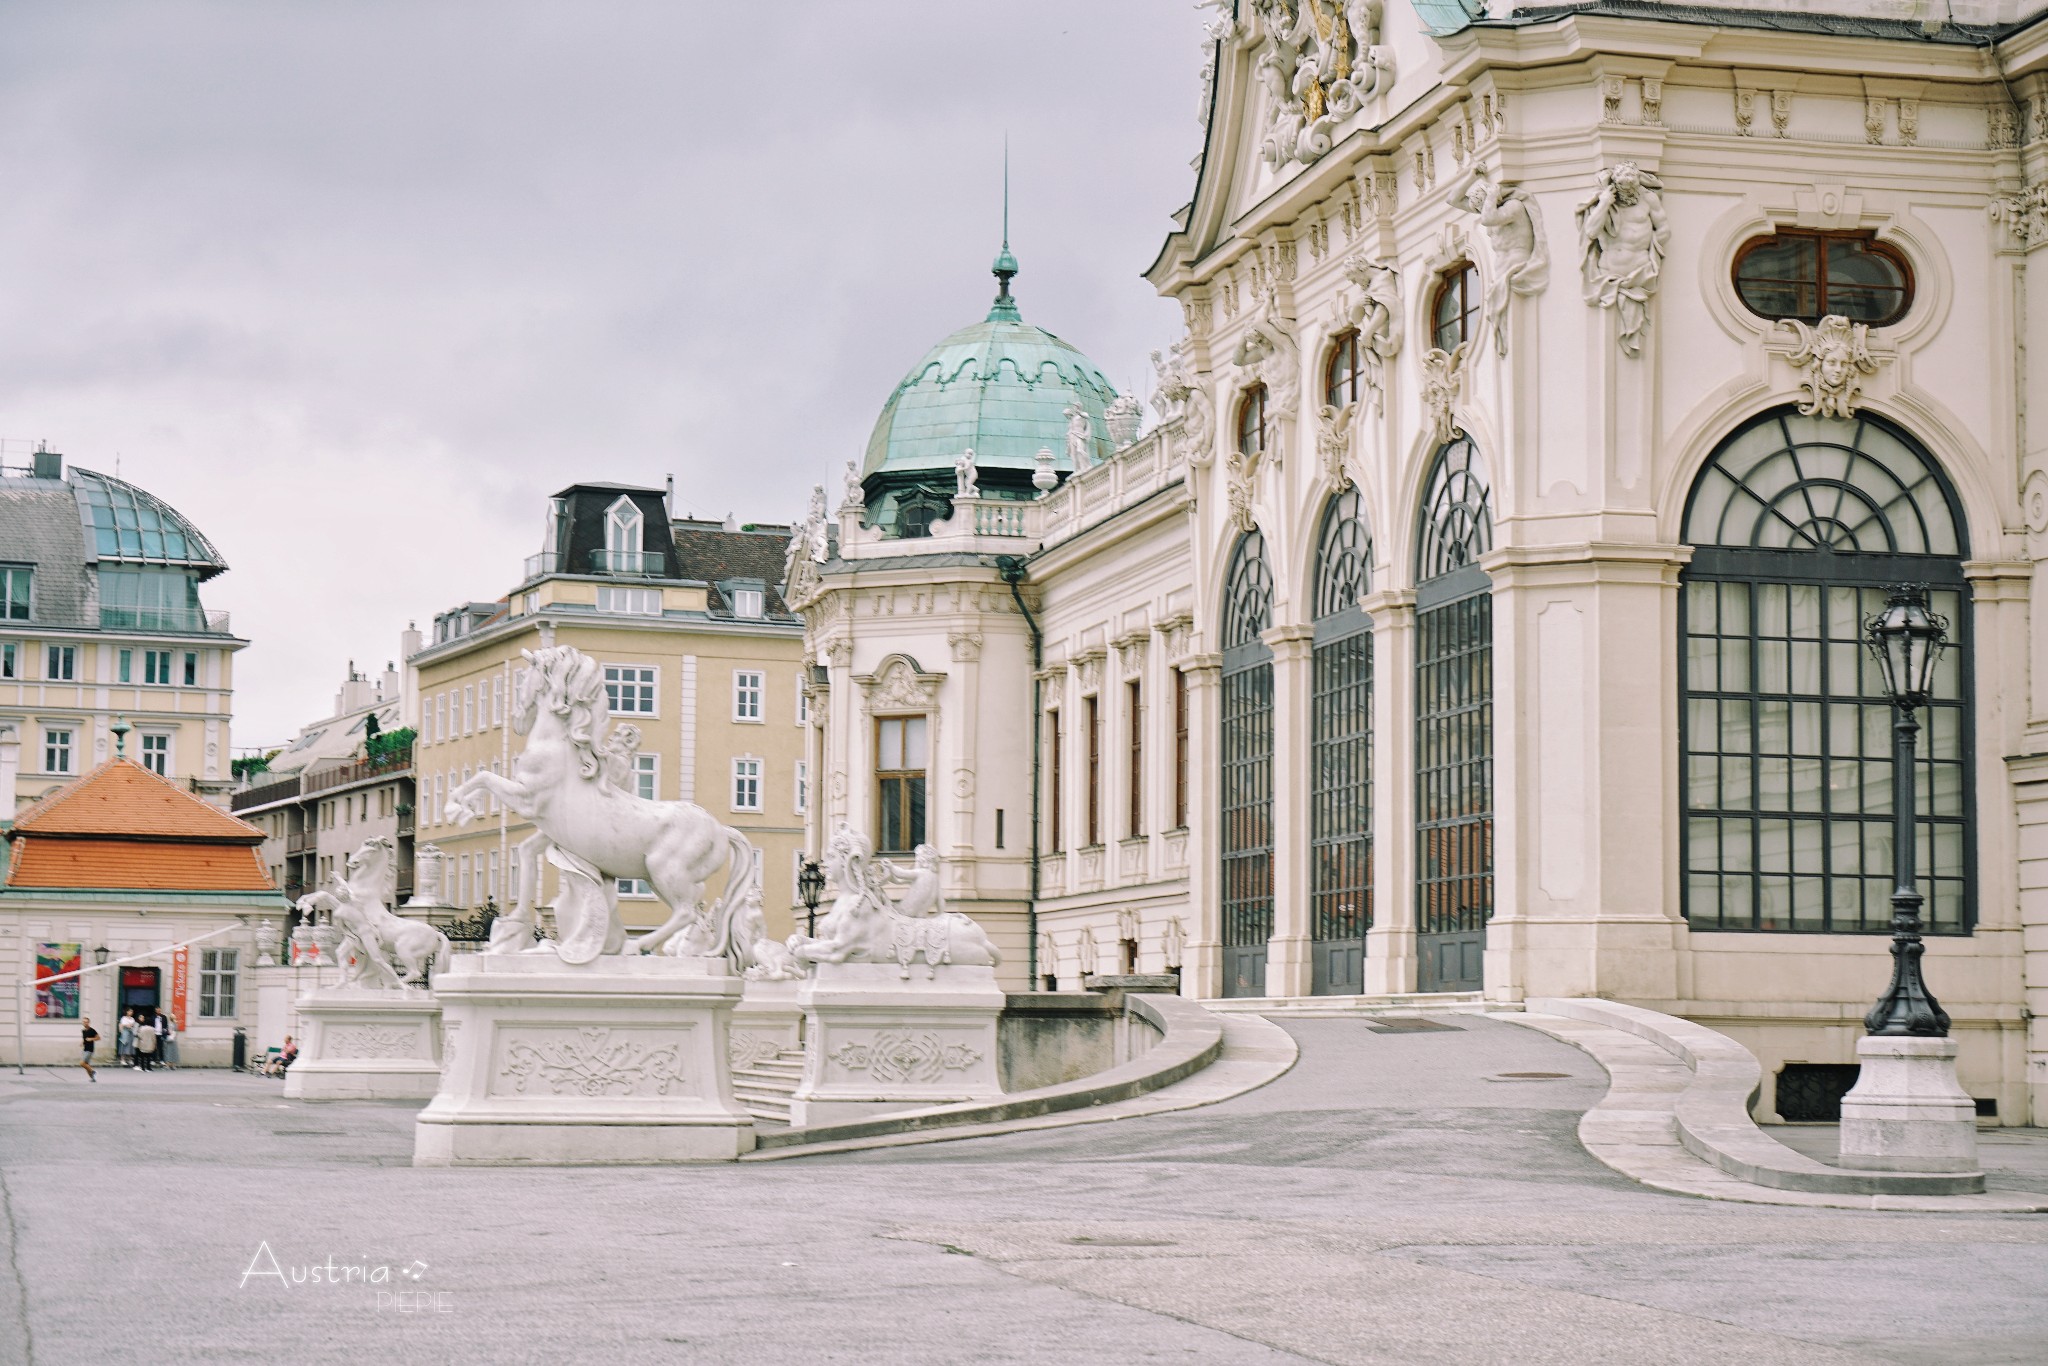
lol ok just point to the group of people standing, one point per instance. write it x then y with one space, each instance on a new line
145 1039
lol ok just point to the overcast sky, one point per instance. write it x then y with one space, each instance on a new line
356 285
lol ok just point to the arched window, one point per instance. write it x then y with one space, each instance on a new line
1247 846
1798 524
1454 311
1796 273
1340 772
1251 421
1341 376
623 526
1454 722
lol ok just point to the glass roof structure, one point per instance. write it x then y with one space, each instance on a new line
127 525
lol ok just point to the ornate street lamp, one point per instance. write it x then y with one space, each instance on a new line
810 885
1907 1111
1907 640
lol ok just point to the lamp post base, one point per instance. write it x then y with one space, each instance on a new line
1907 1112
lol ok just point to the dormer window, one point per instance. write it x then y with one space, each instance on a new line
749 602
15 582
623 531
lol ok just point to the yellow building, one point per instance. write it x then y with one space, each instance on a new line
100 621
698 652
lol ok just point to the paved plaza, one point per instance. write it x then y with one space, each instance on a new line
1397 1197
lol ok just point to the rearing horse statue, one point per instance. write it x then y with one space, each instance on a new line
568 782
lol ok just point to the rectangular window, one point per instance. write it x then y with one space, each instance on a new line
803 786
191 669
637 602
1180 750
1094 808
469 710
1134 718
127 674
629 690
156 754
15 580
8 668
63 664
634 886
749 602
498 700
900 772
746 784
803 702
56 751
491 889
746 695
441 715
217 982
1055 839
156 667
645 776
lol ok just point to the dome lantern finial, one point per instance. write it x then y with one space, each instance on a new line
1005 269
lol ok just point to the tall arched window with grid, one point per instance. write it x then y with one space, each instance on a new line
1340 770
1454 722
1247 768
1797 525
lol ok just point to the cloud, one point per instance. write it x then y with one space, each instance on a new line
356 286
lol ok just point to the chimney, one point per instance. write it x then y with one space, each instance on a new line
47 464
10 769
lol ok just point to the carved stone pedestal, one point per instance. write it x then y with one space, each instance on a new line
767 1022
880 1042
1907 1112
620 1061
366 1043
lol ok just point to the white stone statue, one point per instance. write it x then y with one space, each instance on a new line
377 948
765 959
1519 255
1836 356
854 495
1333 444
1623 235
920 897
864 926
1269 352
966 482
1174 941
591 826
1442 374
1080 436
1123 418
1377 318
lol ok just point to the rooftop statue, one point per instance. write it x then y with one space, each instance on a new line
378 948
571 782
865 926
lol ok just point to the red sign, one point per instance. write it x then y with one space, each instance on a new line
181 974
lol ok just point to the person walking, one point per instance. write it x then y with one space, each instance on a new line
145 1044
90 1037
167 1040
124 1038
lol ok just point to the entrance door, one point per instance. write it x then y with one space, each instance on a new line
1454 791
140 988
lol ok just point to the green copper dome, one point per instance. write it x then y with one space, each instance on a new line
999 388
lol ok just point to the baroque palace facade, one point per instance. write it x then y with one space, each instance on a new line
1560 389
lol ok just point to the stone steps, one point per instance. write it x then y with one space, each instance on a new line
765 1088
1354 1007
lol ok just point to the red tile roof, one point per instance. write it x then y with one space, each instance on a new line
148 865
124 799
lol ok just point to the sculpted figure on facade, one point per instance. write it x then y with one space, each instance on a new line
1623 235
1237 491
1123 418
865 926
1270 356
1376 318
854 495
1180 396
1442 373
1333 444
966 481
568 780
1518 254
1080 435
377 948
1835 356
1319 62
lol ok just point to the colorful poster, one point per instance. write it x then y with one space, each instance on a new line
181 976
57 1000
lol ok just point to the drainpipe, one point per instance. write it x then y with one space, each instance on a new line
1011 567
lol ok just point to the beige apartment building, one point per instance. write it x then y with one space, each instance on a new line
100 621
698 651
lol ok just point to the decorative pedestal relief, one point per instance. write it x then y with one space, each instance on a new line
1907 1112
901 1010
584 1050
366 1043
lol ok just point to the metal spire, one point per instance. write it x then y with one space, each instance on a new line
1005 268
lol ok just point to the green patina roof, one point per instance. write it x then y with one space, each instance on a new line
1000 388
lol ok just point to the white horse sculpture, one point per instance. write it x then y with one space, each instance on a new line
378 948
570 782
863 926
